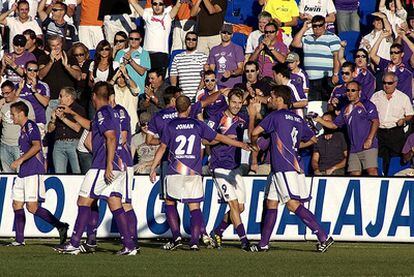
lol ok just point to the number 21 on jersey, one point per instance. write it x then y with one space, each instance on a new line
185 145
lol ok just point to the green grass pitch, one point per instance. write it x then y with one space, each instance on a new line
37 258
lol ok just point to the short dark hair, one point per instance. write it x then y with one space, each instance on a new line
272 24
182 103
9 84
170 93
102 90
350 65
191 33
251 63
355 82
282 68
135 31
157 71
397 45
20 2
20 106
318 18
284 92
26 65
235 92
30 33
209 72
363 51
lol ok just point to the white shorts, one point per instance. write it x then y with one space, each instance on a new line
284 186
187 189
90 35
127 193
230 185
94 185
29 189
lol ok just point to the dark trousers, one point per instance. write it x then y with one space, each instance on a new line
391 142
159 61
320 89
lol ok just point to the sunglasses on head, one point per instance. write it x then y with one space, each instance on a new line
191 39
351 90
158 4
119 41
388 83
130 38
317 25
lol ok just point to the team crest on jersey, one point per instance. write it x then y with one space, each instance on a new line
29 127
210 124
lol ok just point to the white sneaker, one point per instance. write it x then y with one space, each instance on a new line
15 243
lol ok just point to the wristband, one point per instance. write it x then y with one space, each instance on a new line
282 24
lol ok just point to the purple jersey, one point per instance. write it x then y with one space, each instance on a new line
367 81
35 165
287 130
105 120
339 92
267 60
220 105
223 155
358 120
27 94
164 116
125 120
226 58
403 71
183 139
300 80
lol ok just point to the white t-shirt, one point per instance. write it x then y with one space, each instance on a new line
158 28
17 27
317 7
253 41
67 2
102 75
33 4
384 48
395 19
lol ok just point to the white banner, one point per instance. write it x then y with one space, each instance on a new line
353 209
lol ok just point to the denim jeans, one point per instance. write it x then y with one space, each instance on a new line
8 155
64 151
347 21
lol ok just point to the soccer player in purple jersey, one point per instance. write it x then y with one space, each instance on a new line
107 177
225 162
29 187
361 120
287 185
155 128
183 137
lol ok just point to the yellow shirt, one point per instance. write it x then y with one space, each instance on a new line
283 10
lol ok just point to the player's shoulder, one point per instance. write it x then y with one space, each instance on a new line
30 126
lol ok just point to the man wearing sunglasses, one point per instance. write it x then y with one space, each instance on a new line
361 120
20 23
403 70
158 21
395 110
57 25
227 59
339 97
321 57
187 67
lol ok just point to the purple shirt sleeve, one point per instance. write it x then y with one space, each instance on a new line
206 132
165 137
152 125
196 109
408 144
383 63
105 121
125 123
267 123
371 110
34 133
339 120
239 54
307 132
210 59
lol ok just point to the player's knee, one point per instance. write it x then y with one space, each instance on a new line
31 207
170 202
17 205
193 206
127 206
292 205
271 204
114 203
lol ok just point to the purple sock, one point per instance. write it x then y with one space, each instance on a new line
268 225
203 226
309 219
223 225
48 217
132 224
93 224
84 213
19 223
195 222
122 223
242 233
173 220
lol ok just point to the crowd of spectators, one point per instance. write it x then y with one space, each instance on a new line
357 98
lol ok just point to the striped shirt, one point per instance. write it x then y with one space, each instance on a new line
318 52
188 68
